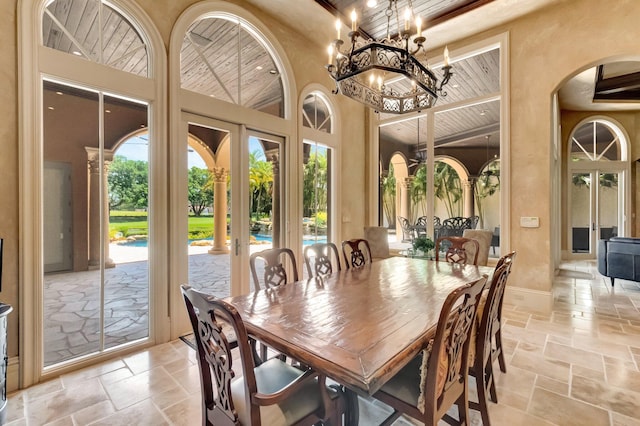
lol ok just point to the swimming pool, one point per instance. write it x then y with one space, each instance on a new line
259 237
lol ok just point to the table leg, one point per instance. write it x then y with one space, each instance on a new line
353 409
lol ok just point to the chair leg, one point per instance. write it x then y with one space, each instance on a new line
503 364
489 383
463 408
482 400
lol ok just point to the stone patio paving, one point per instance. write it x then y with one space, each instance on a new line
72 300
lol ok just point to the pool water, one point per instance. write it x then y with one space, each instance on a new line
258 237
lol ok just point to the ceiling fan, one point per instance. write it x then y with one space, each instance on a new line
490 171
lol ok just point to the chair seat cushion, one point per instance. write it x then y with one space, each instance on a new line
272 376
405 385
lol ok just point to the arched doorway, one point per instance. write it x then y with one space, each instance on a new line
596 177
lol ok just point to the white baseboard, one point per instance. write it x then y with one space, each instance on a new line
13 374
537 300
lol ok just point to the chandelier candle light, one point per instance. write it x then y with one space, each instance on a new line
362 71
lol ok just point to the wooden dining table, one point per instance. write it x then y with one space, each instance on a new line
356 326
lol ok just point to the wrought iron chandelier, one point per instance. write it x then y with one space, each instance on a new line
366 71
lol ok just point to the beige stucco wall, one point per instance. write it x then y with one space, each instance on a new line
9 166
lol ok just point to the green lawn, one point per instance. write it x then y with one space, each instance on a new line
129 223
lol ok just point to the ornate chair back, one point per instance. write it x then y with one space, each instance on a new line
238 402
458 250
274 269
488 337
442 368
356 253
320 259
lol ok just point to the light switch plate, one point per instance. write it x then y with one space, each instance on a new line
529 222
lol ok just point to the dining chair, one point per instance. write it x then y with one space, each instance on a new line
274 274
458 250
437 378
272 393
483 237
320 259
356 252
378 239
487 339
272 261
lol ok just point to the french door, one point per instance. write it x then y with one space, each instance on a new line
596 209
230 183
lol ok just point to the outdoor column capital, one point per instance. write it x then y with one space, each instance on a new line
219 174
406 182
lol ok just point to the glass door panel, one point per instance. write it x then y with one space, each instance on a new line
208 220
95 233
581 212
316 197
265 194
608 205
125 222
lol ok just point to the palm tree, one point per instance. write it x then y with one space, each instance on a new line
260 182
389 196
447 188
315 184
418 193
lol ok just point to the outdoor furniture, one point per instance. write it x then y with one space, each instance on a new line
488 338
420 228
378 238
458 250
272 393
437 379
357 344
483 236
407 229
495 239
436 227
321 259
455 226
274 271
356 253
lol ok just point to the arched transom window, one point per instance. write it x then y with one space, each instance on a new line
316 113
223 57
95 31
596 141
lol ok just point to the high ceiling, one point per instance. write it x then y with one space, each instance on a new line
444 20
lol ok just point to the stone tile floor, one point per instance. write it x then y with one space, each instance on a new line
578 365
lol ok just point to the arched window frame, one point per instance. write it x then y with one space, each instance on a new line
330 140
36 62
182 101
622 166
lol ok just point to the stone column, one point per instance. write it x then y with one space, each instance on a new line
467 191
93 218
219 210
274 157
97 182
404 203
